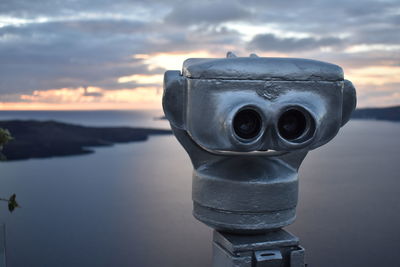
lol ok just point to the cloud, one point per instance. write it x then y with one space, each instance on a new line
96 53
50 44
269 42
86 92
206 12
28 9
361 22
69 54
307 15
379 34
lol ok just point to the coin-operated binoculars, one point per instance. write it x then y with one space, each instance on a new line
247 123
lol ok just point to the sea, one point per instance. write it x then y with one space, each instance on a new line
130 204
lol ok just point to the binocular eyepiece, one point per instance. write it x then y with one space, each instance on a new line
293 125
247 124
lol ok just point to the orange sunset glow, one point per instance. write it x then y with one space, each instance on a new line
150 97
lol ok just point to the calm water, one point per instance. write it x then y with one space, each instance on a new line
132 118
130 205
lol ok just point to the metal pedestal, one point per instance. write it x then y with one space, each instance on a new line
274 249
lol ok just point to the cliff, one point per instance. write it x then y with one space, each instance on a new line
42 139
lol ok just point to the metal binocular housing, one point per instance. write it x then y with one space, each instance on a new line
247 123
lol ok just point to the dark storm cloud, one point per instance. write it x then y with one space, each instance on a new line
91 52
269 42
322 13
378 34
361 59
32 9
334 17
68 54
207 12
203 38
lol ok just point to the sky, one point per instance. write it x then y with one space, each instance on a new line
98 54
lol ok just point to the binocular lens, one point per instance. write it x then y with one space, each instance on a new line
292 124
247 124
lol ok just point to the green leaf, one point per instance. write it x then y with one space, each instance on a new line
5 136
12 203
11 207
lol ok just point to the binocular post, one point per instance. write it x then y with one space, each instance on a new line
247 123
273 249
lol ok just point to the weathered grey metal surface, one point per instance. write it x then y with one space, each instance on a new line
258 68
244 194
268 258
278 248
349 100
247 124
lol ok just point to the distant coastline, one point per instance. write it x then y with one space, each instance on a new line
44 139
386 114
